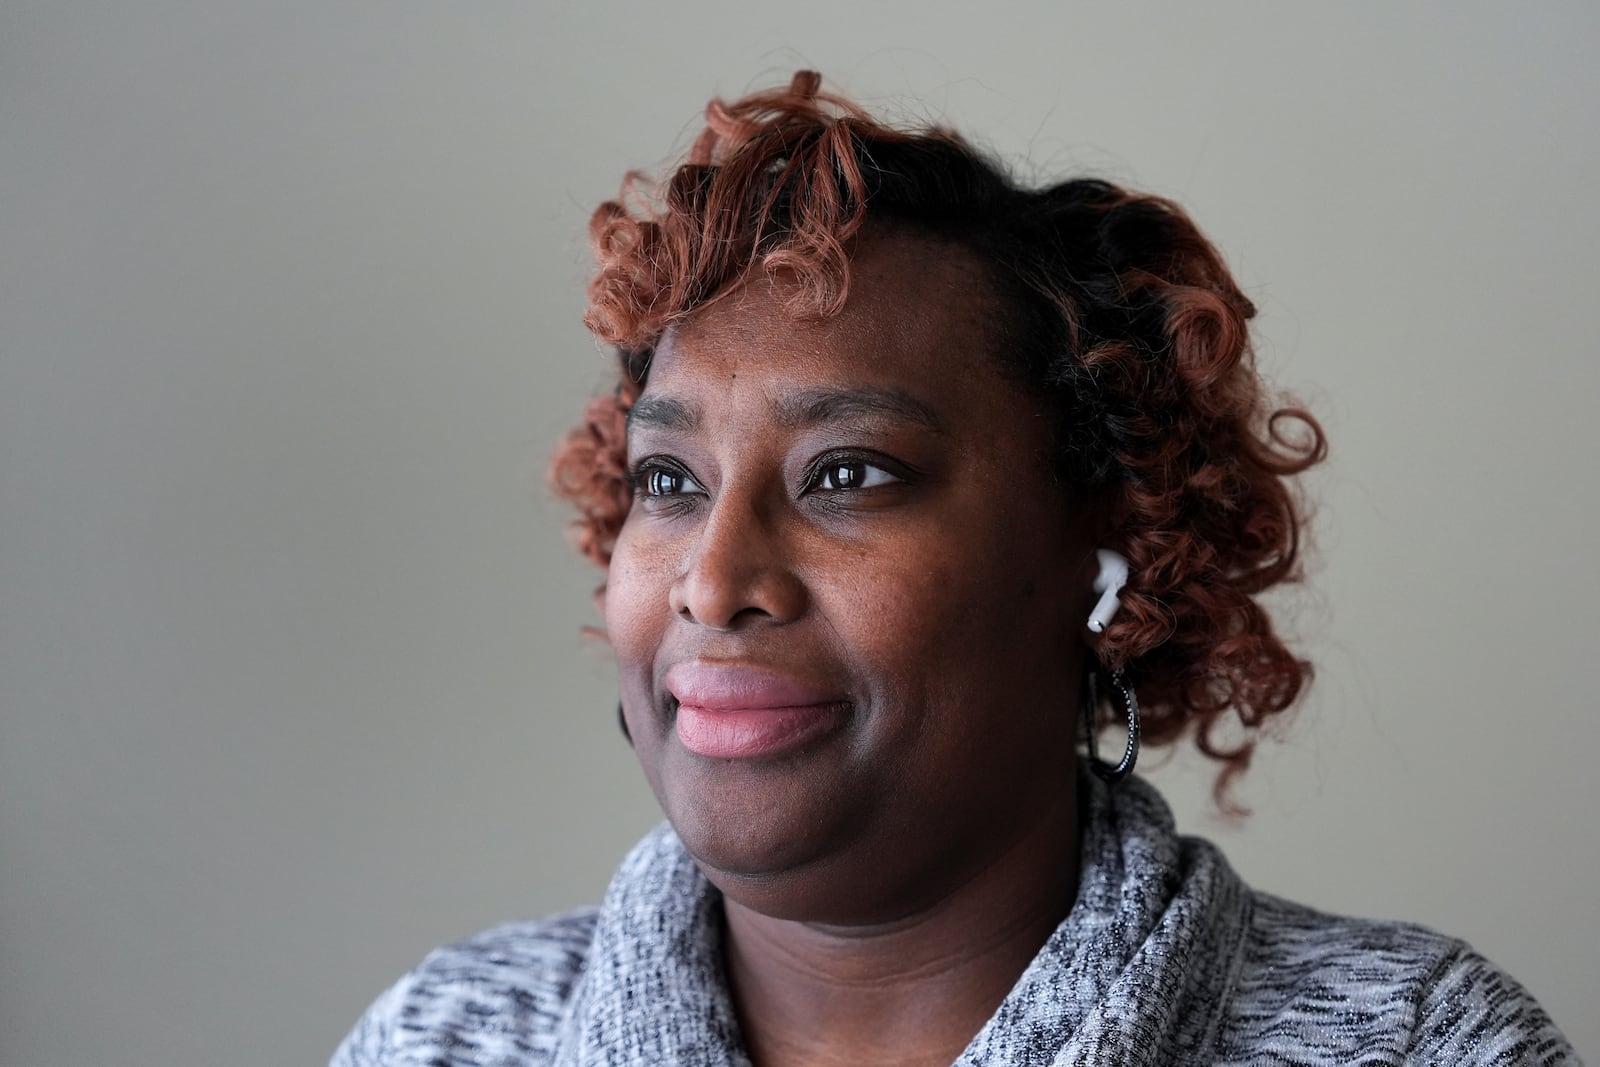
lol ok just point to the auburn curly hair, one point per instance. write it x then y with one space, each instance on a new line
1123 320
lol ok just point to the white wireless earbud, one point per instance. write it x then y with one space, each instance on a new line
1108 583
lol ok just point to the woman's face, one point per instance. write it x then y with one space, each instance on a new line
847 604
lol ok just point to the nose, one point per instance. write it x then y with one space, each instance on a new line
739 570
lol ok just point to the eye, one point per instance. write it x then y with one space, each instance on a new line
852 474
660 480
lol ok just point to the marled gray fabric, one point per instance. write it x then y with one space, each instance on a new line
1166 958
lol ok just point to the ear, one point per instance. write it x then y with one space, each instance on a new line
1101 510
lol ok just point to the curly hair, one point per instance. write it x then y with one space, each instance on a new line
1122 319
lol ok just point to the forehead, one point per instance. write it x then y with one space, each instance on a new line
920 316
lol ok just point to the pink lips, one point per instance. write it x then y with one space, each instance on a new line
728 711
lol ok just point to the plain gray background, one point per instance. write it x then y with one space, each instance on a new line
293 684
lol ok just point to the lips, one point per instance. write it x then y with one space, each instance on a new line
736 711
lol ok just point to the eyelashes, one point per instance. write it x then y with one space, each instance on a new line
663 486
657 477
665 479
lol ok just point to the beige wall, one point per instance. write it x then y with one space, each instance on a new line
289 658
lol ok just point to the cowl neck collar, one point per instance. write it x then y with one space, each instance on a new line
1138 972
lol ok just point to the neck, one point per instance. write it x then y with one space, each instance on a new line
909 992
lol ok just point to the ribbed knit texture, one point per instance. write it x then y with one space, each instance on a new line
1167 958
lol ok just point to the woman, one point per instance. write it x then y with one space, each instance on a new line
910 475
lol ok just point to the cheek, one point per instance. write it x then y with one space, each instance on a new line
638 584
636 617
927 605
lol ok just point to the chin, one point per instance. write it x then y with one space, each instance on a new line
770 848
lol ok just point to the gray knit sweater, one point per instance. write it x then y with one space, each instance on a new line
1166 958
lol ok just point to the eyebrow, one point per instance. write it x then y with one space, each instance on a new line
812 406
662 412
808 407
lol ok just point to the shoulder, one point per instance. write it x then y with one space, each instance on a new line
1319 988
1475 1013
496 997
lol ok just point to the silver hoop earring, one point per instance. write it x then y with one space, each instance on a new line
1130 704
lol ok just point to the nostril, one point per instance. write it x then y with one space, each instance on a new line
738 572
